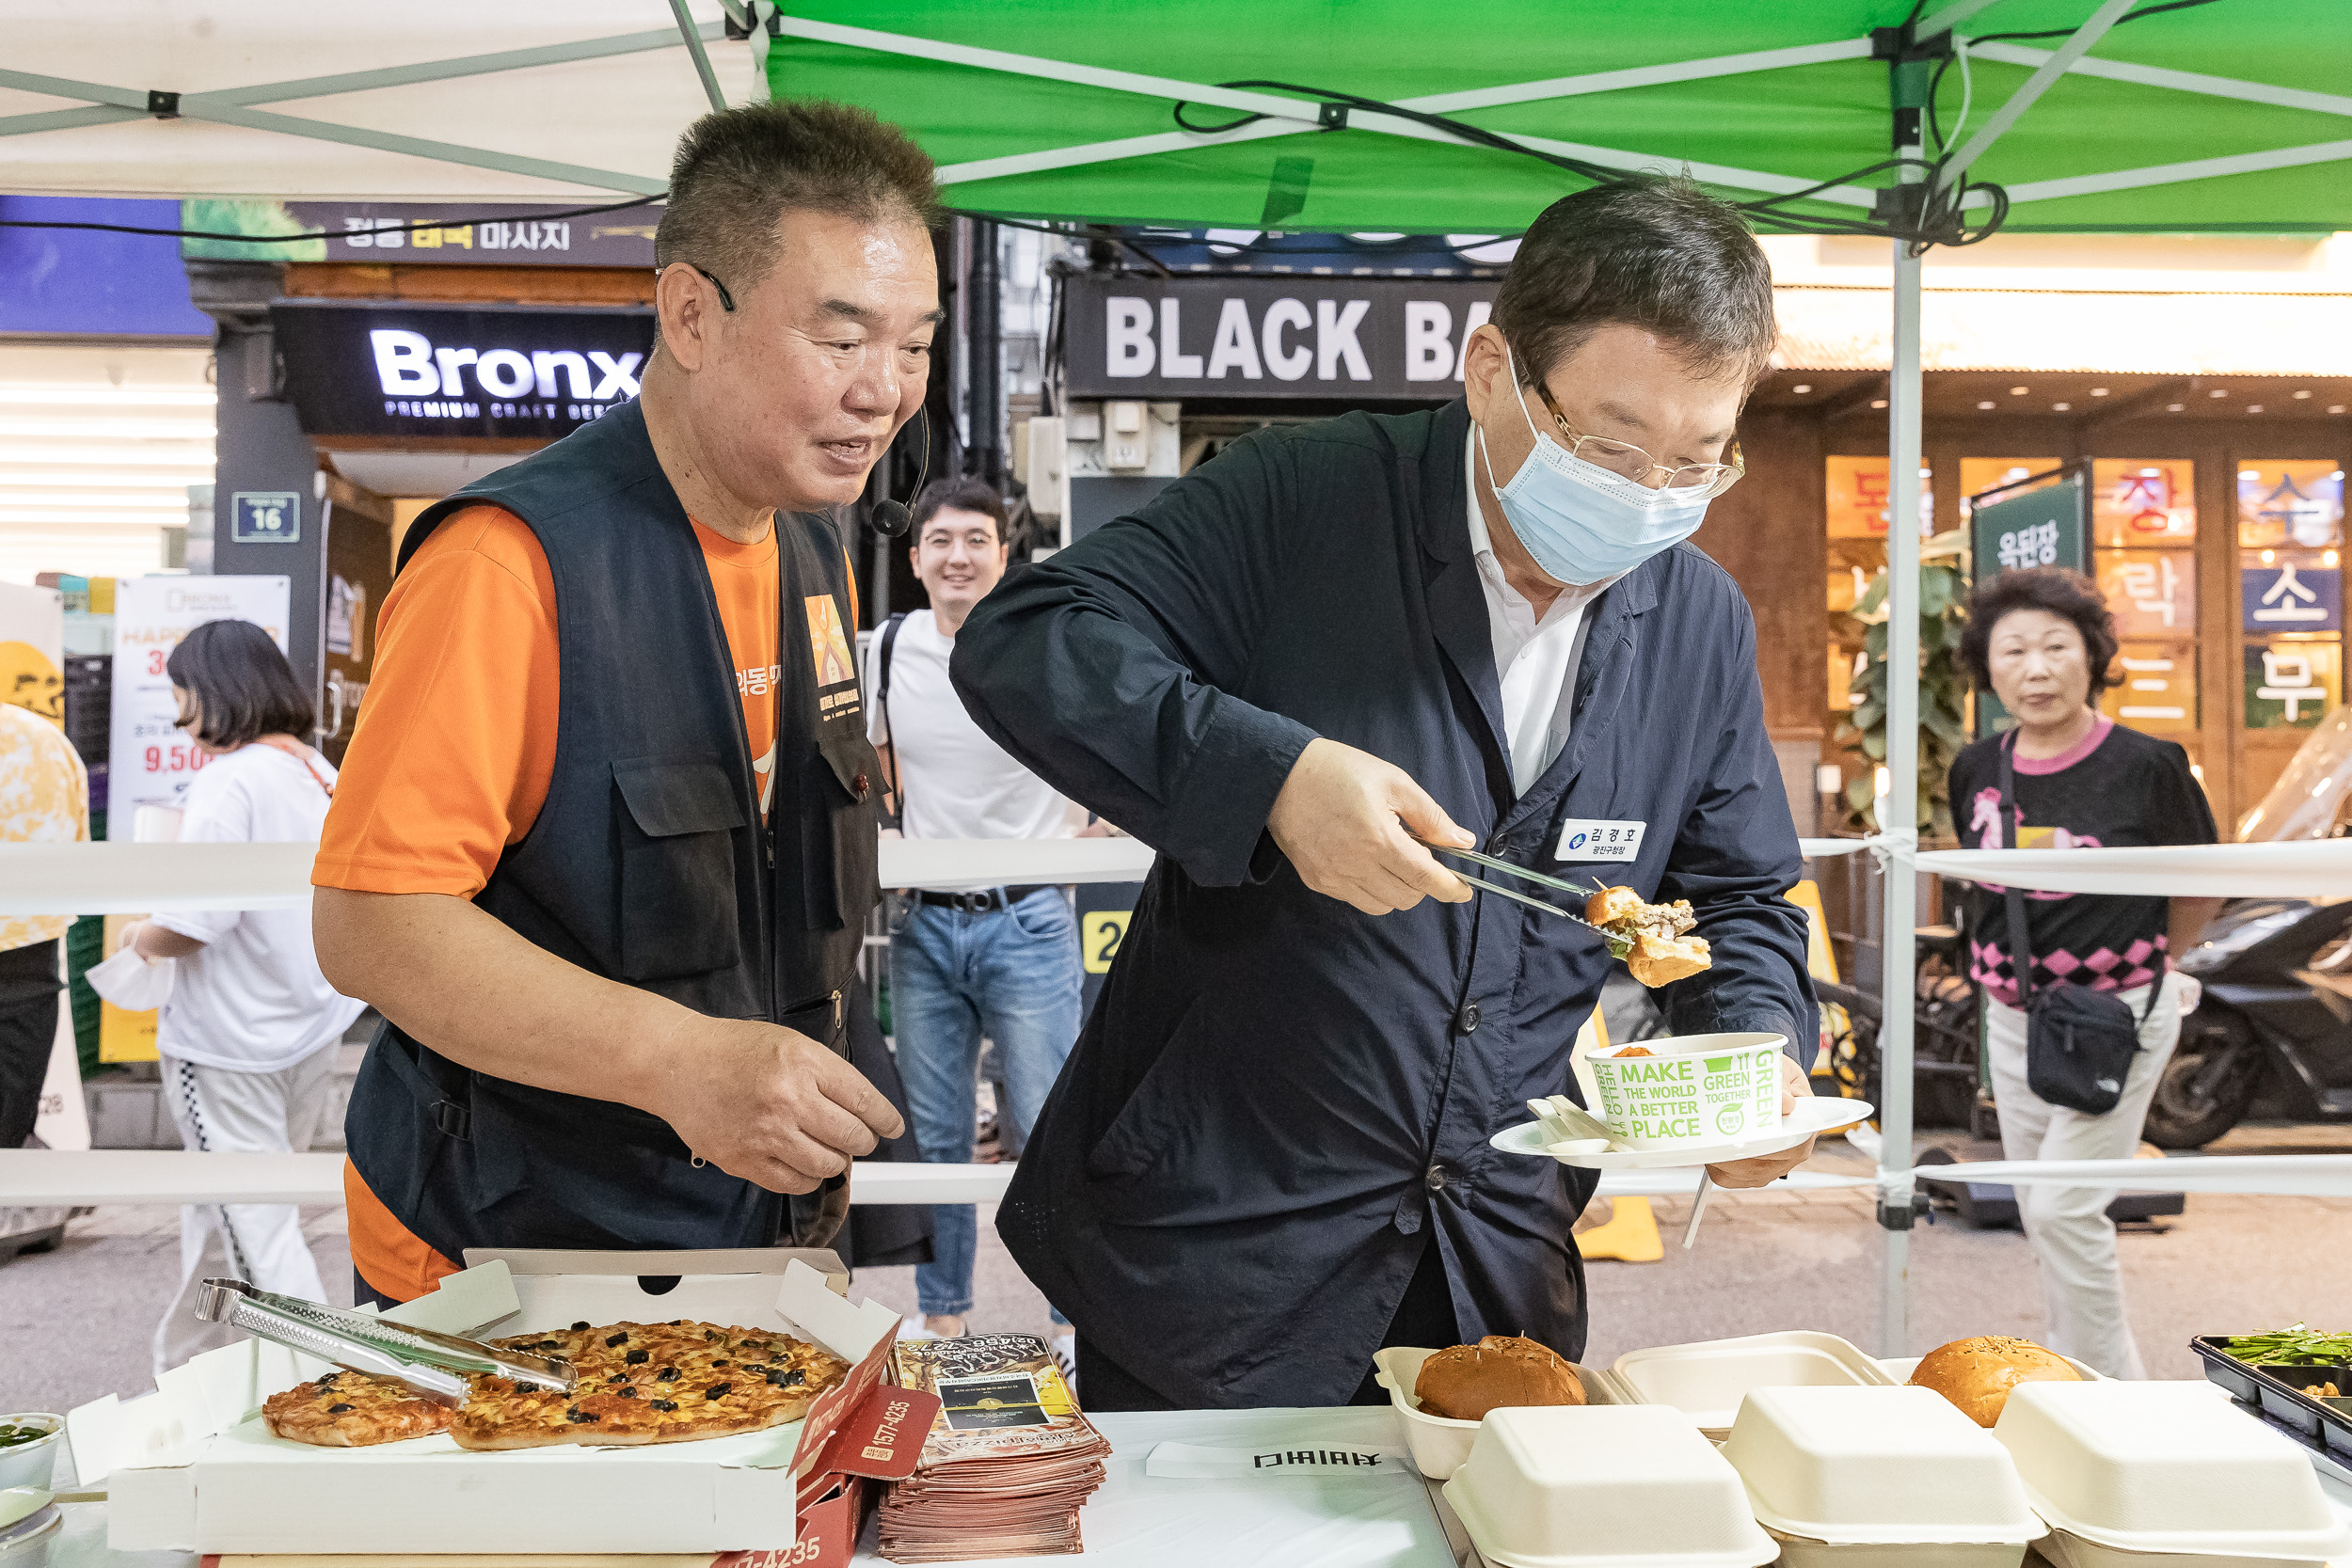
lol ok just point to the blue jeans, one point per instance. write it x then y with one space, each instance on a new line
1011 976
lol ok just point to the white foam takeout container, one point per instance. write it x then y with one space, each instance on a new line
1569 1486
1707 1381
1894 1478
1690 1090
1437 1442
2165 1475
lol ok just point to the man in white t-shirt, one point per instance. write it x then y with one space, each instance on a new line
1003 962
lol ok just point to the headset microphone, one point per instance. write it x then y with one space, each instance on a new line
892 517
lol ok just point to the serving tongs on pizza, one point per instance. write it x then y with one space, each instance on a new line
1618 945
431 1363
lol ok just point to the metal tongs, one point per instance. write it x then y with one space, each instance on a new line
1618 946
431 1363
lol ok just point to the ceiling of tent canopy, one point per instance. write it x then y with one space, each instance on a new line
2224 116
2218 115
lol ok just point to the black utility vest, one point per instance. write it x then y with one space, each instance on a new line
648 865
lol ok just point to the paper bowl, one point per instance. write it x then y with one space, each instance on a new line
1691 1090
31 1464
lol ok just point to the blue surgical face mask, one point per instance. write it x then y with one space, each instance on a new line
1582 522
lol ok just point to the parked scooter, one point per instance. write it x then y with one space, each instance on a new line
2277 1011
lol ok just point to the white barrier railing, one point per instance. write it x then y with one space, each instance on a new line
144 879
2295 868
148 878
43 1178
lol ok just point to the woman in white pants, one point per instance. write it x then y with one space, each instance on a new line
248 1037
2042 641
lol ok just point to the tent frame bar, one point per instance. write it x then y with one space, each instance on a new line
231 105
2045 77
2170 174
2178 81
1948 18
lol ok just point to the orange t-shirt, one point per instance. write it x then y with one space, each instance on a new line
455 749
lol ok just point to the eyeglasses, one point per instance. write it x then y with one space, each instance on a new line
726 300
1629 461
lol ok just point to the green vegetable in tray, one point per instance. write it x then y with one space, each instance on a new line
11 1435
2298 1346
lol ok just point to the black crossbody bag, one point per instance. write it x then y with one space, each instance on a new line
2079 1042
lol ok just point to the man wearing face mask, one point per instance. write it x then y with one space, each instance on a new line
1334 644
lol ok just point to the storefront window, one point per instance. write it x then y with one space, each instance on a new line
1857 494
2143 530
1979 474
2160 690
2291 685
2290 533
2290 504
2144 502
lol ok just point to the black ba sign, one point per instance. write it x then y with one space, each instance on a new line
1302 336
388 370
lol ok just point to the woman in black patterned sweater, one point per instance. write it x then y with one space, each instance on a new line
2041 639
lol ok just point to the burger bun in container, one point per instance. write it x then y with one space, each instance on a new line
1464 1382
1977 1374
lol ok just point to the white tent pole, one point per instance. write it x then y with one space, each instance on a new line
1899 803
1900 807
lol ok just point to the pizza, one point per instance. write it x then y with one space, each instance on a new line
353 1410
649 1382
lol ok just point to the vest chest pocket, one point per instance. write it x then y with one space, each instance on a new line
676 833
837 876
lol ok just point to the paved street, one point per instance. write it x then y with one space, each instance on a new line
76 1323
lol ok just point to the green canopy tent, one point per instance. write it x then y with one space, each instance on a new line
2087 115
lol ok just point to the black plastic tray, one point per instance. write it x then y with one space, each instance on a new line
2321 1424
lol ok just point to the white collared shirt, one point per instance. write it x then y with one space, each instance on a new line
1535 658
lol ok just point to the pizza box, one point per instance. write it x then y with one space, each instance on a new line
192 1466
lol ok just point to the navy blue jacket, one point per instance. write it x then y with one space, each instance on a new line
1277 1098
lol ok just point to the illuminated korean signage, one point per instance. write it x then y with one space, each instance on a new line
2151 593
2136 501
2289 685
2296 591
2158 691
373 232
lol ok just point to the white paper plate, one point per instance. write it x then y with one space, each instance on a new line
1813 1117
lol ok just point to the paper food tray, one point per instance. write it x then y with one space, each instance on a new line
193 1467
1707 1381
1440 1445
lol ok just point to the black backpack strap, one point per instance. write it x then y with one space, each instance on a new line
2020 950
881 696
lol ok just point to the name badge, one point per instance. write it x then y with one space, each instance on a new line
1617 843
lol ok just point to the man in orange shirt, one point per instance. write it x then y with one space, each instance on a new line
603 847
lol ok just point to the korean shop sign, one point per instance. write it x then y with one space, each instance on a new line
1300 336
2151 593
2294 591
2042 527
356 231
2289 685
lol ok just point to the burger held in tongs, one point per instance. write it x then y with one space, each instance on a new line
1652 939
1662 947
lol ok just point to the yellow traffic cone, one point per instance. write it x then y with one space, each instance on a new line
1630 1235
